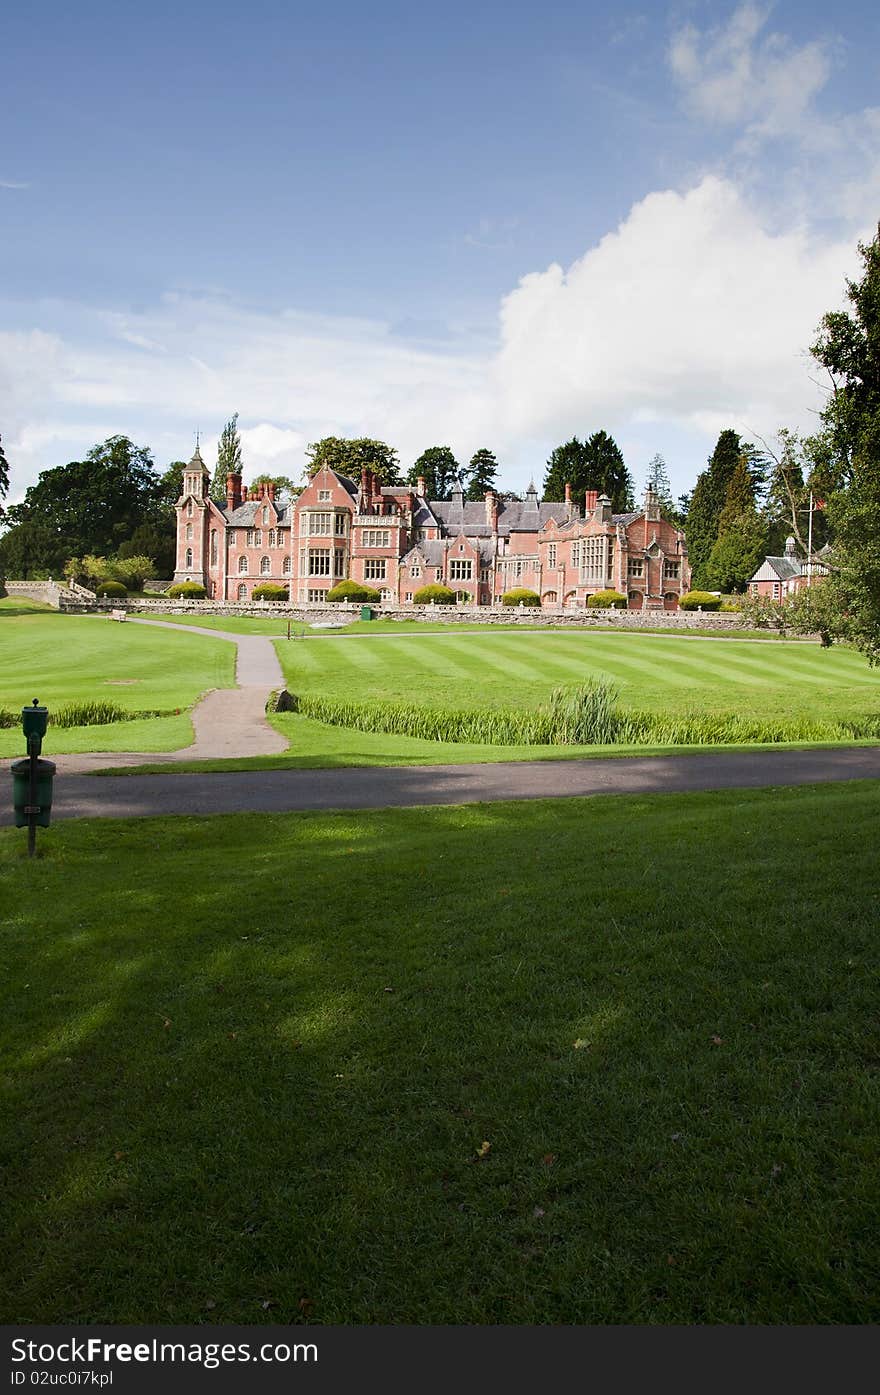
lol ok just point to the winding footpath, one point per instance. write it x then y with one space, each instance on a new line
231 722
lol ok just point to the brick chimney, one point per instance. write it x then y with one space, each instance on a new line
420 486
233 491
591 499
244 495
492 510
365 486
568 494
271 492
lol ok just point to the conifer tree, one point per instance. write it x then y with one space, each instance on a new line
481 474
228 458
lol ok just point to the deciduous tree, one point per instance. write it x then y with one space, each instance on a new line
228 458
440 471
350 457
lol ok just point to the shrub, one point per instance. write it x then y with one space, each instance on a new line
730 606
186 590
608 600
521 595
270 591
88 714
699 600
111 588
435 594
353 591
9 719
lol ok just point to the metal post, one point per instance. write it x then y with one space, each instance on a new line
810 544
32 799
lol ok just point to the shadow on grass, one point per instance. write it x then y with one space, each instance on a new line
255 1060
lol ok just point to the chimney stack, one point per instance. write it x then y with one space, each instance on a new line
244 495
568 494
420 486
233 491
591 498
272 492
492 510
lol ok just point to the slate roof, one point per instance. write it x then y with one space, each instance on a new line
784 567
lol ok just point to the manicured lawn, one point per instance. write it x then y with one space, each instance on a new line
652 672
258 1060
68 658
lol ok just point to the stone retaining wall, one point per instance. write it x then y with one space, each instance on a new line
450 615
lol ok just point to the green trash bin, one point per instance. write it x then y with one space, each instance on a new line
21 791
366 612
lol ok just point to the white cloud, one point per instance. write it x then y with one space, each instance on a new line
13 184
691 316
691 312
734 75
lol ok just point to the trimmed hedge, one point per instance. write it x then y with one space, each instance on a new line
435 594
271 591
521 595
354 591
608 600
111 589
699 600
188 590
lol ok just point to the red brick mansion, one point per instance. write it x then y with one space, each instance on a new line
396 540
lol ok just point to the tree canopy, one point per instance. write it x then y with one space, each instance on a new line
708 500
228 458
89 506
349 457
440 470
482 473
847 452
740 544
4 475
596 463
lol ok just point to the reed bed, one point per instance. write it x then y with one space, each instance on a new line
97 713
586 715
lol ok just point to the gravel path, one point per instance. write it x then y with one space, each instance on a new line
227 722
133 796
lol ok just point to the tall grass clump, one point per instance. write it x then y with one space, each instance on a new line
97 714
587 715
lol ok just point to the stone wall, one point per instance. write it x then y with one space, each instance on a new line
451 615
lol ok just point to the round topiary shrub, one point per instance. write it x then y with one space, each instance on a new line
354 591
699 600
270 591
111 589
435 594
521 595
607 600
186 590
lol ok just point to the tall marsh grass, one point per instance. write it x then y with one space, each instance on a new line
587 715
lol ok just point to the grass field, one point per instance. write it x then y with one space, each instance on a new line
65 658
599 1061
652 672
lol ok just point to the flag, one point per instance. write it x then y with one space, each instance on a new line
818 503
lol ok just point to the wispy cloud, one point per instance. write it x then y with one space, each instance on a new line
13 184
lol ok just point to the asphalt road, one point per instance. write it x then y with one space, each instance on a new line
138 796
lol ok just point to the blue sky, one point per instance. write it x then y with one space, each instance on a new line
491 224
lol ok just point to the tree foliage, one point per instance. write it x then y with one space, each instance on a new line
657 478
707 503
87 506
482 474
848 450
350 457
4 475
440 470
228 458
283 484
596 463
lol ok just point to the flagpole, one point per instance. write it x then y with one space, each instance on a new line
810 544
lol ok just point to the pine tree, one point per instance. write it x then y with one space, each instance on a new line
597 464
742 537
707 502
440 471
228 458
567 465
656 478
481 475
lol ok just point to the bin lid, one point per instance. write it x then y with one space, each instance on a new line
44 767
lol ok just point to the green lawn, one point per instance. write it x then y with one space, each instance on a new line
274 1087
67 658
656 673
